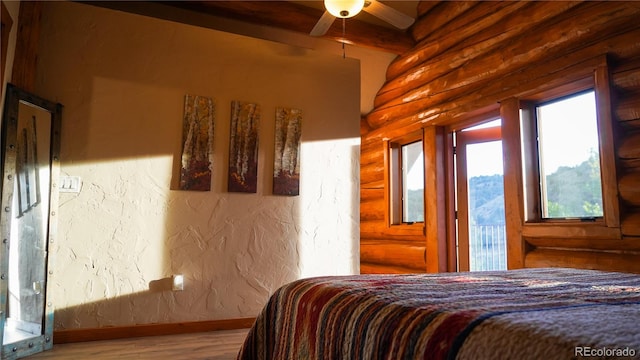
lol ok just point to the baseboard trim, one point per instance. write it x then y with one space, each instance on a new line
121 332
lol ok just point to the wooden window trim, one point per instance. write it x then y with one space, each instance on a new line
392 177
607 227
450 181
608 163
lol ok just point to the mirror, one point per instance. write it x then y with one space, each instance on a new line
30 168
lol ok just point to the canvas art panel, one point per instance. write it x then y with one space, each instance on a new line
197 143
286 168
243 147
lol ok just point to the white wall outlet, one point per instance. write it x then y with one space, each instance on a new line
178 282
70 184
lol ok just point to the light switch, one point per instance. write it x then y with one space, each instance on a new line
178 282
70 184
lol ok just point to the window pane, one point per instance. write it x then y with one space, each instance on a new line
487 240
486 125
570 158
412 182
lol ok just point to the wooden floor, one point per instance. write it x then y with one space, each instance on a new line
214 345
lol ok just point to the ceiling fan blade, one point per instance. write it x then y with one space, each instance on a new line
323 25
388 14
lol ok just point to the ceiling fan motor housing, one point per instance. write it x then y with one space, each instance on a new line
344 8
348 8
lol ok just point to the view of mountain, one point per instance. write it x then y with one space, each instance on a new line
576 191
571 192
486 200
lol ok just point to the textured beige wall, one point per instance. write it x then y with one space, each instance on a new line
122 80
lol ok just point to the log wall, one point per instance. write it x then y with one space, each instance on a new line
470 57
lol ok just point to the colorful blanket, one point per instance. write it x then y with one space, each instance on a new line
518 314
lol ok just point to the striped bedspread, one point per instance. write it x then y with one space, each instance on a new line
518 314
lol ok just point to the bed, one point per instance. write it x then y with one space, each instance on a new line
550 313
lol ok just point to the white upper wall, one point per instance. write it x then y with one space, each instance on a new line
373 63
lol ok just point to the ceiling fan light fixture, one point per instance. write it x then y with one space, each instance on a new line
344 8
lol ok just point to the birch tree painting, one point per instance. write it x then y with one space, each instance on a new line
286 168
197 143
243 147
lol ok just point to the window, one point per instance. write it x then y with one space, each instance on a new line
569 158
406 180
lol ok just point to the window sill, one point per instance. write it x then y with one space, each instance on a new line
571 230
417 229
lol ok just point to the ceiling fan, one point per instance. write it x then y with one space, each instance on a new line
349 8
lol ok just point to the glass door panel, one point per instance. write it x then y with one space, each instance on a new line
480 195
487 242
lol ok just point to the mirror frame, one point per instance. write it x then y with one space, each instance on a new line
14 96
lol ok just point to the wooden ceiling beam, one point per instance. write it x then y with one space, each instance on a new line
28 38
299 18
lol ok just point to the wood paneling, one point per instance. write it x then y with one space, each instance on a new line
367 268
628 244
413 67
474 57
629 188
629 148
478 65
631 224
628 108
403 254
610 261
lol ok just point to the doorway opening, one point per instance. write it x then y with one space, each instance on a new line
481 240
